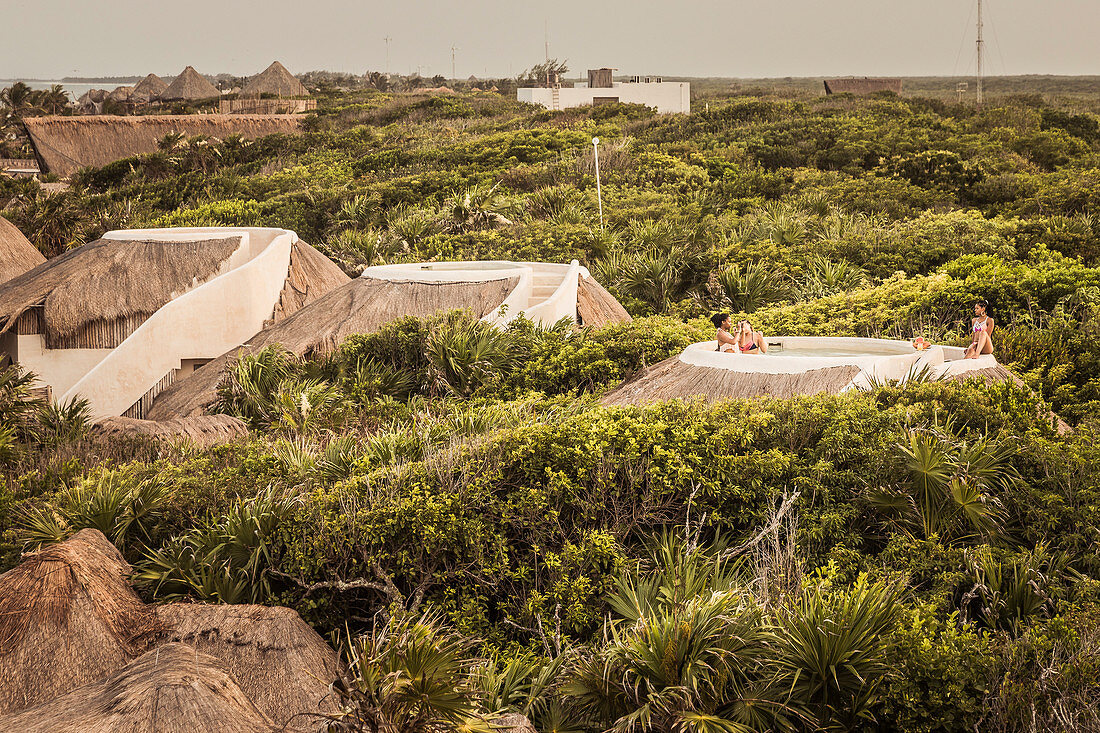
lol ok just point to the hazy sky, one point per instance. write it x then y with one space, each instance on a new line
740 38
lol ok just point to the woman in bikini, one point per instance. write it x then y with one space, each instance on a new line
750 341
981 325
726 341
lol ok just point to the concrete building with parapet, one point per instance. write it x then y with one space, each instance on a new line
667 97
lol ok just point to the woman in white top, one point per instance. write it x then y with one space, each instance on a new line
726 341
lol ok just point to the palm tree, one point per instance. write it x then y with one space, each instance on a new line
687 651
464 355
825 277
751 287
475 209
53 100
833 649
947 486
249 386
658 277
225 559
408 676
20 99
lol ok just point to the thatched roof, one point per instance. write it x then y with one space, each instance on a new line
274 80
190 84
67 617
171 689
143 276
17 254
361 306
596 307
672 379
63 145
150 87
282 664
121 94
93 96
311 276
203 431
862 86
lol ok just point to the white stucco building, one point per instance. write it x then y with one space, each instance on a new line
120 319
668 97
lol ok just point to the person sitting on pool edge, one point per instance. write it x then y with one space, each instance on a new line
750 341
726 342
981 325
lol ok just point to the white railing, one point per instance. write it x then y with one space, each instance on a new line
562 303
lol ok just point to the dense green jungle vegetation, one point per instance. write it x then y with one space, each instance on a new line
454 508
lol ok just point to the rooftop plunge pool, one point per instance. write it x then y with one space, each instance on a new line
875 359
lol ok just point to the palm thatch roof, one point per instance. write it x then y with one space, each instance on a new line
67 617
989 375
276 81
672 379
150 87
71 303
279 661
862 86
190 84
311 276
64 145
596 307
204 431
361 306
171 689
121 94
17 255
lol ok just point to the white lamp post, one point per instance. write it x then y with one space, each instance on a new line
599 193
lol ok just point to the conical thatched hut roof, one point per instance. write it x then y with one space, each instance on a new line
17 254
63 145
68 617
190 84
67 298
361 306
281 663
672 379
171 689
311 276
203 431
274 80
150 87
596 307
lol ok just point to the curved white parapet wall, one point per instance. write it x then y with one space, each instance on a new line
545 293
203 323
877 359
